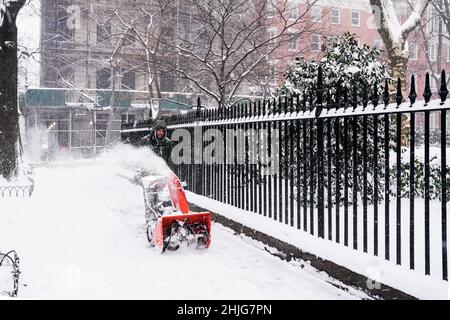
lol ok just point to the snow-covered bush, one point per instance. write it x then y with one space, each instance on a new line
345 64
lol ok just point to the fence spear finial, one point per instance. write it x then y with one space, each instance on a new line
292 109
386 94
443 91
199 106
427 93
412 94
399 96
345 100
355 97
320 87
329 102
375 96
304 101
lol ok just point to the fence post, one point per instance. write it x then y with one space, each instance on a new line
320 151
443 92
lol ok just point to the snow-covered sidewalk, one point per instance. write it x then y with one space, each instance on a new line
413 282
81 236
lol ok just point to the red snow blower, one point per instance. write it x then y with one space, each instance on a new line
169 221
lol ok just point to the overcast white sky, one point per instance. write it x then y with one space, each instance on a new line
29 25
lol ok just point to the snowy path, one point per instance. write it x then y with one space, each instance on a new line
81 236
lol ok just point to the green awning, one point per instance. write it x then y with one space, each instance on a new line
51 97
45 97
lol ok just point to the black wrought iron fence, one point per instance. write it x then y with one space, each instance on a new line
347 168
23 190
9 263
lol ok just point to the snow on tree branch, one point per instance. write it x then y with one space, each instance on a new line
389 23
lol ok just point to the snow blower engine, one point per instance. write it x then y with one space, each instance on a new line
169 221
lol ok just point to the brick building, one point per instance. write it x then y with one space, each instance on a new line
429 51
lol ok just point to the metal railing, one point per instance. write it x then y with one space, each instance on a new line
10 261
348 169
18 190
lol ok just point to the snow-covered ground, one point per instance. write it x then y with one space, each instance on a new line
81 236
413 282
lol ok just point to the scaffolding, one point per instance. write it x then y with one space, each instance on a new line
89 58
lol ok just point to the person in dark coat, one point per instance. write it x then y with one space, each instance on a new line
159 142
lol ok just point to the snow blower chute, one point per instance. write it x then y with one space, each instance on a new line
169 220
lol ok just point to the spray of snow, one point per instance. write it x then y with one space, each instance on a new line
132 159
36 144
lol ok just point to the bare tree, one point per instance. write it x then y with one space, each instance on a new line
395 34
216 46
9 117
128 28
146 29
228 41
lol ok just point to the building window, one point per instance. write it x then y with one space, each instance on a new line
270 8
316 13
293 9
251 8
431 51
412 47
293 41
410 7
433 84
101 121
129 80
356 18
131 118
433 124
377 44
184 19
130 39
401 9
433 20
104 33
272 71
335 16
103 78
272 33
315 43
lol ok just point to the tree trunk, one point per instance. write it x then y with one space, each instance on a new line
9 116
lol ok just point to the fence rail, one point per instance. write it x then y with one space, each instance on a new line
349 169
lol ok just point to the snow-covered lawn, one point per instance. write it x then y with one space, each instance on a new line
81 236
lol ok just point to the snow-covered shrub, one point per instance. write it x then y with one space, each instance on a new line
345 64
